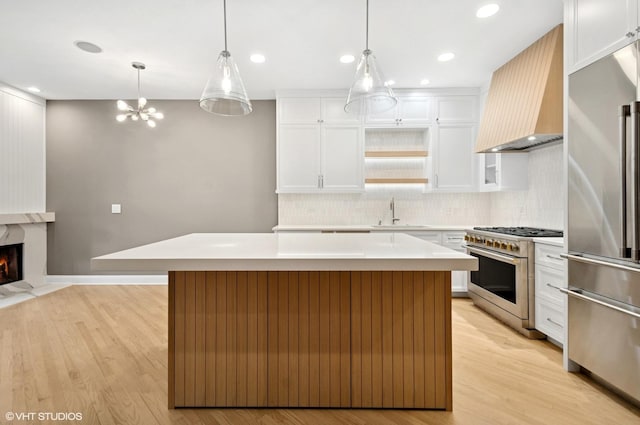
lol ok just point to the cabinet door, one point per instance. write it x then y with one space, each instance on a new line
414 110
298 158
333 111
598 28
456 109
454 168
342 158
387 117
299 110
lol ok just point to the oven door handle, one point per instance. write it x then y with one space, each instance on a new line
495 256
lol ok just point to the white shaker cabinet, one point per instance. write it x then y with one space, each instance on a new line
454 159
320 148
456 109
549 301
410 110
596 28
502 172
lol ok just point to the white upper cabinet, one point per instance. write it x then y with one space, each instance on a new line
342 158
410 110
320 147
299 110
456 109
454 158
314 110
596 28
298 158
502 172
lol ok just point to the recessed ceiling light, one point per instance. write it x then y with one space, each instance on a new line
424 82
33 89
487 10
88 47
347 58
446 57
257 58
389 82
531 138
495 150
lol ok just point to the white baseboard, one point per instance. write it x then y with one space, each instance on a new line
109 279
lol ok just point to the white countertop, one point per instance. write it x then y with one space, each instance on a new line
550 241
368 227
287 251
28 218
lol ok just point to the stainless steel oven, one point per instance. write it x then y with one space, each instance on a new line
504 285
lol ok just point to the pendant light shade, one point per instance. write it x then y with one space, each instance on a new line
369 94
224 93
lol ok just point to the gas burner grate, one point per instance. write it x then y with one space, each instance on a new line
531 232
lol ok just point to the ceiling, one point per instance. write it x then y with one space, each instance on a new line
179 41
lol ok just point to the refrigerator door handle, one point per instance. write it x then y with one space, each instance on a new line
587 260
635 173
577 293
623 114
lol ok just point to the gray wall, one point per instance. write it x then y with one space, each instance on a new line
195 172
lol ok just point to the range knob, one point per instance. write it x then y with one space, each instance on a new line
496 244
513 247
504 245
488 242
466 238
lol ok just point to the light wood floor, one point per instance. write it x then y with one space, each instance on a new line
102 351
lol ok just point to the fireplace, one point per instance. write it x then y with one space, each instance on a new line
10 263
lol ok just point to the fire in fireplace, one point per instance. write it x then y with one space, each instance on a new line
10 263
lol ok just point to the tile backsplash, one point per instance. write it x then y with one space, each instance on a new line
542 205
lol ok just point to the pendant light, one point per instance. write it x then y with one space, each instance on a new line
139 113
224 93
369 94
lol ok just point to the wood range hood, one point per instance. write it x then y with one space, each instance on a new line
523 110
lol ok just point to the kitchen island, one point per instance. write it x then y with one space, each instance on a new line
304 320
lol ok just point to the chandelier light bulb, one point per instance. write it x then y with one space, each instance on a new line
158 115
151 123
134 117
142 102
121 117
122 105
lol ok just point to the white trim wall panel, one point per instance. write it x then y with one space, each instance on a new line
22 153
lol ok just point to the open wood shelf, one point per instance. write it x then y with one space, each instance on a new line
402 180
395 154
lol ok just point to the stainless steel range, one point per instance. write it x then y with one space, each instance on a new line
504 285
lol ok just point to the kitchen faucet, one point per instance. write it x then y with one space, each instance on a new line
392 206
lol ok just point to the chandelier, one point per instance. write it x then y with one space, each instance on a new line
148 115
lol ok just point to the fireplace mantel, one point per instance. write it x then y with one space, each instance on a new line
27 218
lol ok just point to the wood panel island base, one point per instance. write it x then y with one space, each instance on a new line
344 320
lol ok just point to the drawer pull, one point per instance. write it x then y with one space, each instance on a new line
554 257
550 320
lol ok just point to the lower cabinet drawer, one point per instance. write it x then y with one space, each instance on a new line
547 280
550 319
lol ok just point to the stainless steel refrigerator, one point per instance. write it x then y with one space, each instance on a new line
603 137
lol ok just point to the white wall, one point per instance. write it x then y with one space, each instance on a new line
542 205
22 152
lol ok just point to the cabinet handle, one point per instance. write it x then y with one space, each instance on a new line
630 34
550 320
320 121
436 179
319 181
